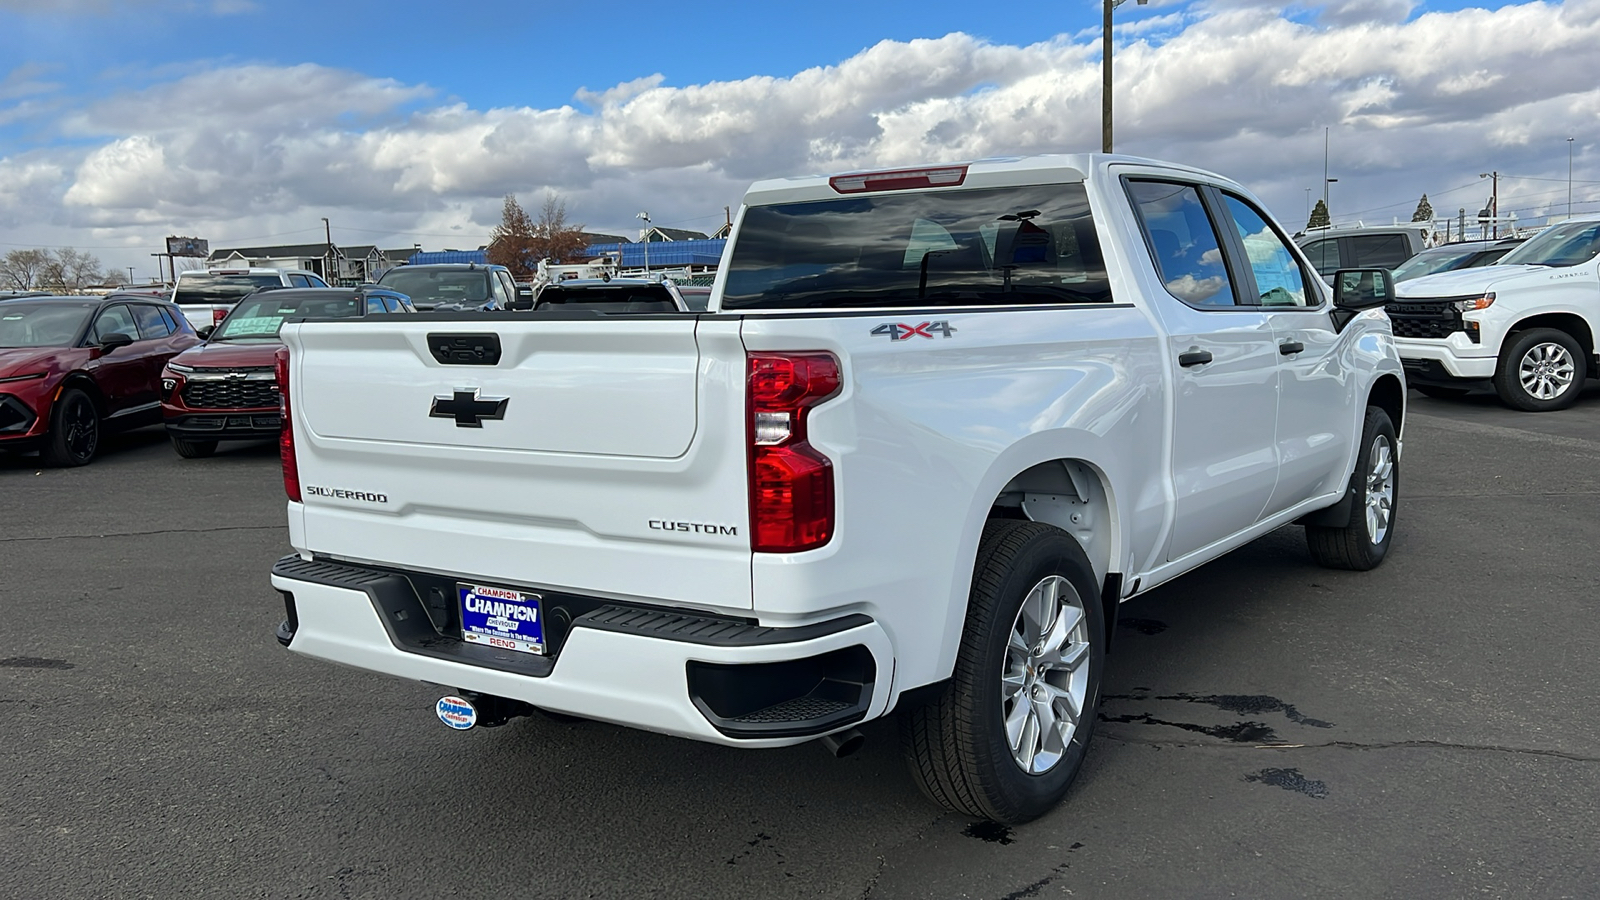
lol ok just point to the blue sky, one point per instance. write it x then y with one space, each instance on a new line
404 122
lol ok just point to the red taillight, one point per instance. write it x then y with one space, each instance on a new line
217 315
791 484
291 469
899 179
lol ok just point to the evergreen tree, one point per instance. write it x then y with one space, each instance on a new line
1319 216
1424 211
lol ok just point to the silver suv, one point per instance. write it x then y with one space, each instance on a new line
206 295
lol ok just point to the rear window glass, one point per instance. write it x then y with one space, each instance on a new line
208 288
1033 244
439 285
260 317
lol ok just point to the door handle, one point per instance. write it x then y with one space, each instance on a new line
1288 348
1194 358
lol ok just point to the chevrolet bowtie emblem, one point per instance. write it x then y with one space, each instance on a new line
468 409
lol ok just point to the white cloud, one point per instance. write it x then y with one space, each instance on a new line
1241 89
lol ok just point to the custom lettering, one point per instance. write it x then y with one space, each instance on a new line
693 527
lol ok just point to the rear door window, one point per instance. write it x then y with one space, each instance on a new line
1033 244
1376 251
1183 243
152 325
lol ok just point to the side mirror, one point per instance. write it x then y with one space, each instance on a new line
114 340
1358 289
205 333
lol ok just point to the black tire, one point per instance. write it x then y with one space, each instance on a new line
955 745
191 449
1440 393
1353 545
1518 348
74 431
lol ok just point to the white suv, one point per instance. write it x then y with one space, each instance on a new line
206 295
1527 324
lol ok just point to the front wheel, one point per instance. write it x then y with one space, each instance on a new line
1363 541
75 431
1007 735
1540 370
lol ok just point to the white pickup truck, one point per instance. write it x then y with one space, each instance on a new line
1527 324
934 427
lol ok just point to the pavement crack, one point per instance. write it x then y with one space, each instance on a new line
883 858
1359 745
111 534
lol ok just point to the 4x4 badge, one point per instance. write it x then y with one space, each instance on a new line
468 409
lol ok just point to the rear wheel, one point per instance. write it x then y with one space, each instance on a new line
189 449
1540 370
1363 541
74 431
1006 737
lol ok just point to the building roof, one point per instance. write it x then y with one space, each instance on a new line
595 237
677 234
481 257
705 252
284 251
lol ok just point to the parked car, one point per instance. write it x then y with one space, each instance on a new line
205 296
935 425
1362 246
453 287
224 389
611 295
1451 257
1525 325
73 369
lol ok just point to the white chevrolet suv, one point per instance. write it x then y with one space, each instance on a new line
206 295
1526 325
933 427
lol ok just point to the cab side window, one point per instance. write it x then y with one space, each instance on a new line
1324 255
1183 243
115 320
499 288
1279 278
1377 251
315 281
297 280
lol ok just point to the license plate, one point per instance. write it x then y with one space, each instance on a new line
503 618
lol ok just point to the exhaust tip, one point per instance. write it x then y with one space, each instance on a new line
843 743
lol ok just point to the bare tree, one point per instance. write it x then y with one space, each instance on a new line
69 271
114 275
553 237
20 269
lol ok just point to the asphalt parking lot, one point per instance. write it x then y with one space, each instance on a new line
1271 729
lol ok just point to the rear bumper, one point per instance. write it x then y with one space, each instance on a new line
656 670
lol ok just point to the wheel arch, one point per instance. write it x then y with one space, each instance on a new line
1568 322
84 382
1388 393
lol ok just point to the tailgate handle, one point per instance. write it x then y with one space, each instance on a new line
465 349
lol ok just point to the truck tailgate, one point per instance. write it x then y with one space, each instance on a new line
602 456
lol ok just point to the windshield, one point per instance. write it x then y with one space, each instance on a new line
259 318
434 286
1033 244
1442 259
54 324
1566 244
208 288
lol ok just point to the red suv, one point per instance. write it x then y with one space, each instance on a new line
225 389
73 368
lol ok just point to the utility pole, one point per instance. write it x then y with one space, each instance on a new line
1308 204
1494 200
130 274
327 255
646 217
1105 71
1569 178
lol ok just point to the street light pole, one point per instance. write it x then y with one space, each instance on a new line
646 217
1105 70
1494 200
1569 178
130 268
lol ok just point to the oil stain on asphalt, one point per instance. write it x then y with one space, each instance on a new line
1244 732
33 662
1290 780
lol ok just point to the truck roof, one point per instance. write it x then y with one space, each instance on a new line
1055 168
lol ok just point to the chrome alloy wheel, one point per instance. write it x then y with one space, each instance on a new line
1045 682
1380 488
1546 371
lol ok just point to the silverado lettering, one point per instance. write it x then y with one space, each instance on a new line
342 494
